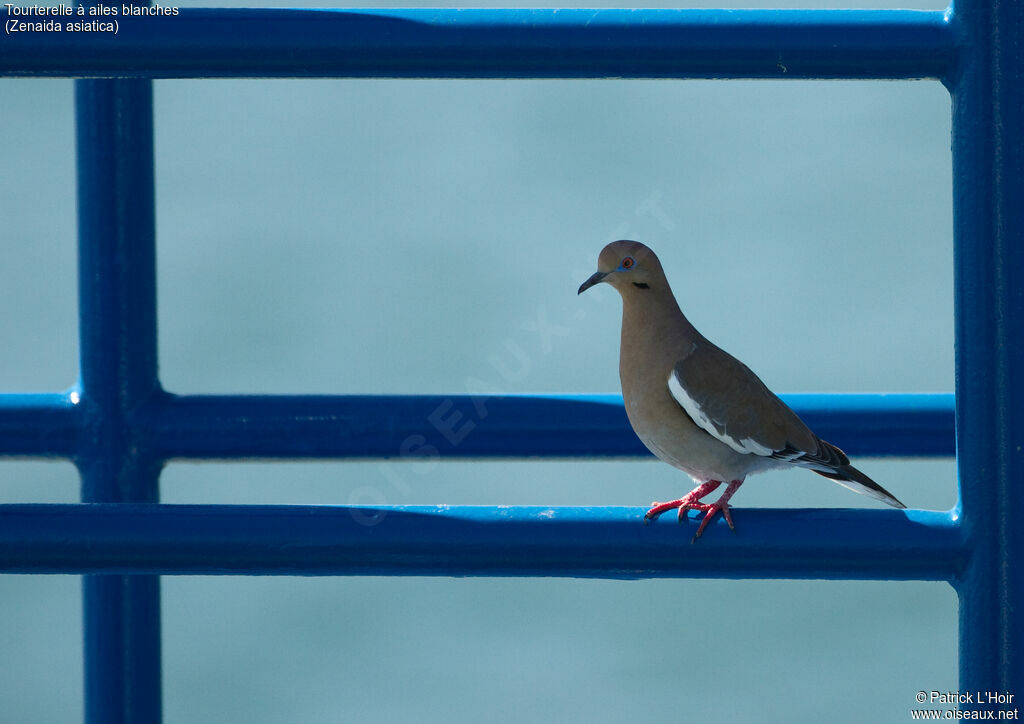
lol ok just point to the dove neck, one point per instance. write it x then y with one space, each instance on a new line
653 317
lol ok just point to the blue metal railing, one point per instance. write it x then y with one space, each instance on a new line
120 427
443 43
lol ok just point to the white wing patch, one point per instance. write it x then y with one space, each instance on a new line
747 446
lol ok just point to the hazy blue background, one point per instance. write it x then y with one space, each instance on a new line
403 236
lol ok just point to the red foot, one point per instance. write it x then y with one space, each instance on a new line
691 501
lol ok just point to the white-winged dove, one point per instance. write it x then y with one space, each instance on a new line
697 407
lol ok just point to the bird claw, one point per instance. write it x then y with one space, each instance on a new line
682 504
659 508
711 509
692 502
728 517
684 509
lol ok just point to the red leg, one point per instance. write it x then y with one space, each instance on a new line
722 504
690 500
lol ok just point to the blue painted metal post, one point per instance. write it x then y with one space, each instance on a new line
988 164
117 327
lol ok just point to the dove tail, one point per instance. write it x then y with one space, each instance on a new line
852 478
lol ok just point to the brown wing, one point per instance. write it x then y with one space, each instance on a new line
726 399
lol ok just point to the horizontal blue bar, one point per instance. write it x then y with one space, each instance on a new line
39 425
903 424
496 43
611 542
386 426
201 427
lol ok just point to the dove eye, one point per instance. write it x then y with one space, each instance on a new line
627 263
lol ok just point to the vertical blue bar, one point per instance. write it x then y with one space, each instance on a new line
118 375
988 166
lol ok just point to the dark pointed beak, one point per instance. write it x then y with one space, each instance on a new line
595 278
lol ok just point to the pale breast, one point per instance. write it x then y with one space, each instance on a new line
649 349
668 432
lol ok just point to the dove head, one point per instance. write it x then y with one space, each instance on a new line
630 267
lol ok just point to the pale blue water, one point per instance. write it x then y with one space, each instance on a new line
404 236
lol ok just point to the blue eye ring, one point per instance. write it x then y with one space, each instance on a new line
627 263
